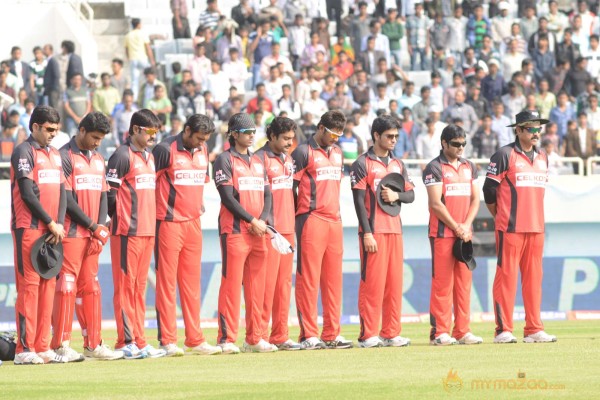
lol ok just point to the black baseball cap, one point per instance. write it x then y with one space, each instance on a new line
528 116
239 122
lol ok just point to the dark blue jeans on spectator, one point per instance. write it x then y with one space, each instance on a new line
423 58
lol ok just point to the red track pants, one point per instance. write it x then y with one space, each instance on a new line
380 290
244 258
450 286
130 264
320 248
518 252
278 288
178 254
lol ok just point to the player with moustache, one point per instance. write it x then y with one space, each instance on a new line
181 174
77 287
38 207
278 285
514 191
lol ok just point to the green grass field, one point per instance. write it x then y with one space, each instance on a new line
569 367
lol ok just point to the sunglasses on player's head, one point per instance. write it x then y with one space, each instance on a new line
457 144
149 131
532 129
246 131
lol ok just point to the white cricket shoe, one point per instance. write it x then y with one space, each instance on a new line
469 338
132 352
505 337
261 347
204 349
103 352
313 343
67 351
229 348
339 343
50 357
152 352
172 350
288 345
28 358
539 337
443 340
397 341
374 341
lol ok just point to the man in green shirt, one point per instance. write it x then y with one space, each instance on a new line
106 97
394 31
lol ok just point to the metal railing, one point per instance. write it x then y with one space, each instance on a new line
593 165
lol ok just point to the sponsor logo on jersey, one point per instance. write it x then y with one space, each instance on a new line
448 175
189 178
282 182
458 189
48 176
79 166
88 182
220 176
24 165
99 165
57 160
329 174
251 183
531 179
337 158
145 181
396 169
259 168
467 173
492 169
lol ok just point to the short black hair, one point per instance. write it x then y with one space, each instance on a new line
117 61
383 123
145 118
452 132
43 114
279 126
68 45
135 22
200 123
95 122
333 119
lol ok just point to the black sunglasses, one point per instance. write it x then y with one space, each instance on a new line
457 144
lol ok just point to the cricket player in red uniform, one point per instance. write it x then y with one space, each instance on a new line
278 286
38 206
181 173
453 195
245 205
318 172
132 208
380 238
514 193
77 287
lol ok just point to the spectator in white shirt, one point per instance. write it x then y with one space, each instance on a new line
217 83
274 59
200 64
382 43
274 85
236 71
286 103
315 105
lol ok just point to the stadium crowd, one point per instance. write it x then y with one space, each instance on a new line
487 64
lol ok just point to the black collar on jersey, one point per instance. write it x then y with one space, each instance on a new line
371 154
443 158
313 143
132 146
75 149
519 149
180 146
237 154
34 143
270 152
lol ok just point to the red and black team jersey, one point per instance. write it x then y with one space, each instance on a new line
180 178
280 173
131 174
248 181
366 173
457 186
318 173
86 179
520 195
44 167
